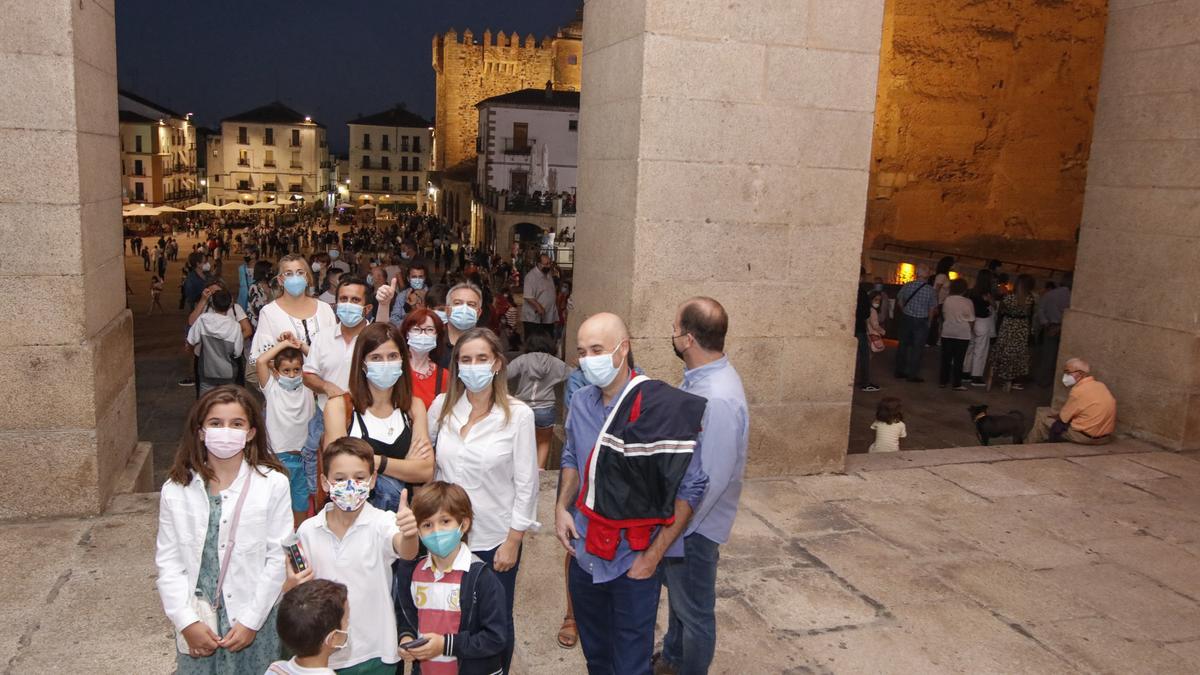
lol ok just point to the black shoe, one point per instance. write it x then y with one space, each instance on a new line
869 387
916 379
187 382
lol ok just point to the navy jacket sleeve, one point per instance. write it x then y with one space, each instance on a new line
406 609
488 639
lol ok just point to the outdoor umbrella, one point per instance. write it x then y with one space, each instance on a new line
169 209
264 206
203 206
232 206
142 211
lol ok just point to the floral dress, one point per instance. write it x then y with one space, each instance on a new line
253 660
1011 351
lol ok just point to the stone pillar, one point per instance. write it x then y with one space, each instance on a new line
725 152
66 340
1135 311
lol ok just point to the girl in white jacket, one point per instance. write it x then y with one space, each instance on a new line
225 505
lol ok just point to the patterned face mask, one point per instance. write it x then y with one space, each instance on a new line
349 494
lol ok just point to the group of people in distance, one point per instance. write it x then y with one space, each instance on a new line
371 506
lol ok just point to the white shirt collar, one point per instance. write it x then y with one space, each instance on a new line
462 561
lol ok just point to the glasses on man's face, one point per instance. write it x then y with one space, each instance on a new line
428 330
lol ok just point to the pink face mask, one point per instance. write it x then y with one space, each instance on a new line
223 442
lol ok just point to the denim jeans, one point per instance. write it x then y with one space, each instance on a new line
386 494
508 580
615 620
913 334
316 429
691 583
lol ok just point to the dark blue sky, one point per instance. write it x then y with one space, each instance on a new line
331 60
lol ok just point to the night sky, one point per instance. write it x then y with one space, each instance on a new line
331 60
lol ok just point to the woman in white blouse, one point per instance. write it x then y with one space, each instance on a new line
484 441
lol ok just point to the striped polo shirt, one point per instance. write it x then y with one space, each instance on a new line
435 593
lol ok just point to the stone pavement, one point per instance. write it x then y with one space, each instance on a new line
1044 558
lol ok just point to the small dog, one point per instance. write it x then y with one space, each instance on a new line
988 426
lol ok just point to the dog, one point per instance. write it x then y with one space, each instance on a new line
988 426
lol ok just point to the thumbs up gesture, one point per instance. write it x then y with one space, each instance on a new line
385 294
405 520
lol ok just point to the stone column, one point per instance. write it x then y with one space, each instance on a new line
1135 310
66 340
724 152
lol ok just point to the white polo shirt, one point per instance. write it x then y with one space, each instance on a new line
362 560
330 356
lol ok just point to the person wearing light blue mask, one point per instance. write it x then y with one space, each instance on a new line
289 407
485 441
464 303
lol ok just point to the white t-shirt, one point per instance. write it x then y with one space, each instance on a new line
957 314
385 430
362 560
887 436
273 321
292 668
288 413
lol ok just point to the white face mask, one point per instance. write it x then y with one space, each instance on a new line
337 647
1069 380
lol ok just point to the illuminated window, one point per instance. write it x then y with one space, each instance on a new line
906 273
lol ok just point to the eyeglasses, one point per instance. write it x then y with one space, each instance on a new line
430 330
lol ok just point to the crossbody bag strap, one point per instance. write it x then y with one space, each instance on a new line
237 515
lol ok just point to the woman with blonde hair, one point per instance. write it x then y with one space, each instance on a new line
484 441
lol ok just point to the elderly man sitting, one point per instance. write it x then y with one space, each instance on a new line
1088 417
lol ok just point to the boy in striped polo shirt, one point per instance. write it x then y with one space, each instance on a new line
456 602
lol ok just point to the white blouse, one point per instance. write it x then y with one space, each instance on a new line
273 321
496 464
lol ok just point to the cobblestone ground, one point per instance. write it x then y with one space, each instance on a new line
1007 559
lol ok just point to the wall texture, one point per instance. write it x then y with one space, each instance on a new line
725 153
1133 315
983 125
68 426
468 71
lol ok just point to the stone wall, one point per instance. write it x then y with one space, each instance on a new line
725 153
68 426
1133 313
468 71
983 124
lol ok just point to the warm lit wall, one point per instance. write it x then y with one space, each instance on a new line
983 125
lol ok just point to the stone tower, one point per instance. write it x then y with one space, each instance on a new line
470 70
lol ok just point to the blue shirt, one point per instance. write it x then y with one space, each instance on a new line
722 448
584 420
918 298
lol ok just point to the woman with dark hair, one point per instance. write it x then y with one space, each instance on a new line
1012 345
426 337
486 443
381 409
260 294
535 375
976 359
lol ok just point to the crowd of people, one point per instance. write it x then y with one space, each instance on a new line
360 470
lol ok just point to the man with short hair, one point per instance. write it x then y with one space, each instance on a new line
327 366
690 568
418 275
464 306
622 527
539 311
216 340
1089 416
918 304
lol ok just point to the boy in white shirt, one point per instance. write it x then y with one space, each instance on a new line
289 408
217 341
313 622
354 543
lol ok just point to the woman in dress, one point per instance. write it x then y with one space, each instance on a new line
1012 345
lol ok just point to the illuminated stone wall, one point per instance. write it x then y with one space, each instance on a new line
983 125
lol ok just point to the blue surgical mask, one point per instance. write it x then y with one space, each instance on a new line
599 370
476 376
290 383
422 343
349 313
463 317
441 315
416 283
384 374
295 286
442 542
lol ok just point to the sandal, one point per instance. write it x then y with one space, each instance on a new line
568 635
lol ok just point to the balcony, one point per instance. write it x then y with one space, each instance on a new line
365 165
538 202
243 162
294 144
296 165
367 146
515 146
269 162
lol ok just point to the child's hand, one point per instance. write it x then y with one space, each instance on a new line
201 640
427 651
405 520
295 578
238 638
286 336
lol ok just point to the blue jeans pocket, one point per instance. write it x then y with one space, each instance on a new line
386 495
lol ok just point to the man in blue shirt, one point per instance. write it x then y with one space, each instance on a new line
615 600
690 568
918 301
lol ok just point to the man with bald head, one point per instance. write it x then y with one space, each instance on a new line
630 470
690 568
1089 416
